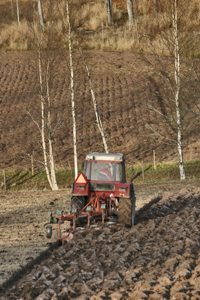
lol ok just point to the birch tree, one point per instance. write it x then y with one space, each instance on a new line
48 156
155 3
46 130
174 93
135 13
17 5
96 110
72 92
130 14
177 88
109 11
12 6
40 12
41 115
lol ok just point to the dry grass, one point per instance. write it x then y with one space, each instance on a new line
92 17
14 36
112 40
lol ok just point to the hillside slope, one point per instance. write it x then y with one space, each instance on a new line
124 84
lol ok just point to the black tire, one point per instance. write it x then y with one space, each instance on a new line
77 203
126 210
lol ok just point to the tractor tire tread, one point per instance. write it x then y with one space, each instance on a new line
125 211
77 202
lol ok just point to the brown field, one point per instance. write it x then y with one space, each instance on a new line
23 215
166 262
168 254
124 85
159 257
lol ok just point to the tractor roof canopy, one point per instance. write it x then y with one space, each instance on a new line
105 156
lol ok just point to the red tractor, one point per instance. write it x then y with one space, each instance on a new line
100 193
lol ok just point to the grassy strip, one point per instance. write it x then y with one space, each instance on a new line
163 172
24 180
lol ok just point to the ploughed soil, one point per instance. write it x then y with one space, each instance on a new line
126 86
158 258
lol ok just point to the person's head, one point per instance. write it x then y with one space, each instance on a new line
107 166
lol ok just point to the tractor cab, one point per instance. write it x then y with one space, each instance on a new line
104 167
104 175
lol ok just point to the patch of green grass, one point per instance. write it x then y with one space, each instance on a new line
24 180
163 172
65 177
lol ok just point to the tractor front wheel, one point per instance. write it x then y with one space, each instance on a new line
126 211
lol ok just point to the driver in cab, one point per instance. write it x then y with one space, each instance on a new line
104 174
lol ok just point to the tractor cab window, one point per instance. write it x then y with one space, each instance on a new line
103 171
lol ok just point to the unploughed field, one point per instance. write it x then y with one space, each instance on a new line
156 259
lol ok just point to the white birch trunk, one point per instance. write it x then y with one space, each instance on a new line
51 158
40 12
12 6
102 31
98 118
155 6
72 95
43 122
177 92
17 4
135 18
109 11
130 14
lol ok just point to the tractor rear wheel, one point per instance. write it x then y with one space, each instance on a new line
77 203
126 211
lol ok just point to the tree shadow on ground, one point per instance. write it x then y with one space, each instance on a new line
18 179
139 214
140 172
8 180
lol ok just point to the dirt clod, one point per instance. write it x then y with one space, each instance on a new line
158 258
